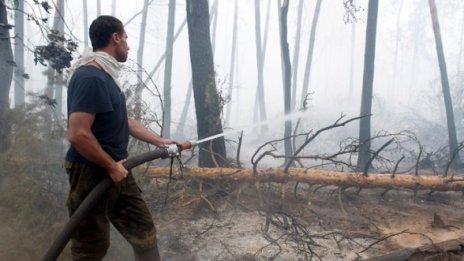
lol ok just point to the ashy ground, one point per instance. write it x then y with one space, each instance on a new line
238 223
320 223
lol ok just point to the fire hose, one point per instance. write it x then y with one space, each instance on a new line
97 193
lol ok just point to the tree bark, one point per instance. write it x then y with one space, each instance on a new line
86 23
213 20
452 139
98 7
6 67
185 111
161 59
168 70
315 176
352 59
58 80
287 79
309 58
397 42
19 89
368 81
232 61
296 54
113 8
260 107
207 102
140 52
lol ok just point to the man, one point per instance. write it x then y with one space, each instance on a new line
98 130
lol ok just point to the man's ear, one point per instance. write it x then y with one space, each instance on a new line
116 37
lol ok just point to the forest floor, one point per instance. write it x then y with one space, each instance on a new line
237 223
319 224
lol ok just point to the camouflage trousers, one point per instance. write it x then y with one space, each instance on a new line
122 205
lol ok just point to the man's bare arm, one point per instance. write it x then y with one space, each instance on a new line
138 131
81 137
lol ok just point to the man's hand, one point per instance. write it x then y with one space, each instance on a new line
117 171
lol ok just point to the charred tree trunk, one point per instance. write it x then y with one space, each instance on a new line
19 89
168 70
367 90
287 79
207 101
6 67
315 176
452 139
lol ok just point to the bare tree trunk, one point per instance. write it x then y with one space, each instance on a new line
185 111
161 59
98 7
315 176
86 23
296 54
232 62
55 82
213 19
140 51
458 71
309 58
395 65
287 79
260 107
453 143
6 67
352 63
20 89
168 69
367 90
113 8
207 103
266 29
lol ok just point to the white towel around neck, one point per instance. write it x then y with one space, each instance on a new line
107 62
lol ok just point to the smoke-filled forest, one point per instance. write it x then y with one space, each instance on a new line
310 129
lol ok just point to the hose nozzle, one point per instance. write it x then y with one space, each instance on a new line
187 144
175 149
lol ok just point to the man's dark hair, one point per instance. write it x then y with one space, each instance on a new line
102 28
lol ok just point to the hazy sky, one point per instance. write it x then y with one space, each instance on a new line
406 89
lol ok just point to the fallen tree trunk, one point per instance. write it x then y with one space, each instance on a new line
315 176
